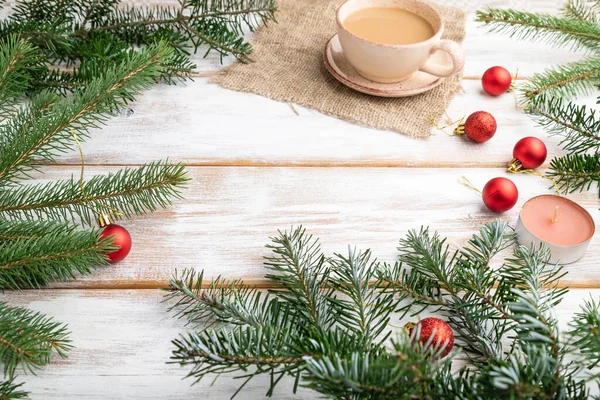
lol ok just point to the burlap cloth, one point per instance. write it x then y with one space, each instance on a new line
288 66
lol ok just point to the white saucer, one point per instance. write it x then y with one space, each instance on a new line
340 68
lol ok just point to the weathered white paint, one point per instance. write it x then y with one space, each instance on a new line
123 336
228 214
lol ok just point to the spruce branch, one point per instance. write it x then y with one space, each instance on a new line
51 133
581 10
131 191
10 390
299 266
249 351
406 373
367 313
66 31
576 33
572 79
584 335
502 318
33 262
29 338
20 230
17 60
578 125
576 172
228 302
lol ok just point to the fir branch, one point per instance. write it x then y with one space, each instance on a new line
299 266
36 261
29 338
249 351
51 133
584 335
228 302
367 313
18 230
536 293
581 10
218 24
130 191
579 34
579 125
502 317
576 172
10 390
406 373
572 79
17 60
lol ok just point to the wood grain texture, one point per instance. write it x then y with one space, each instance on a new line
122 341
122 335
228 214
203 124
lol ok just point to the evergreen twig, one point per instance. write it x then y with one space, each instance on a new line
579 34
132 191
503 320
548 95
10 390
28 338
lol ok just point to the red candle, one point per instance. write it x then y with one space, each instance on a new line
563 225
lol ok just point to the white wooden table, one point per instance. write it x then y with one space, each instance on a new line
258 167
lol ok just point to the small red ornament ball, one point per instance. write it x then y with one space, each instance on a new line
500 194
480 126
531 152
443 335
496 80
121 238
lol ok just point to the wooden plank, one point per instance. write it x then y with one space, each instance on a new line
229 213
483 49
203 124
122 341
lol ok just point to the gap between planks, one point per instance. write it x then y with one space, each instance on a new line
258 283
465 77
312 164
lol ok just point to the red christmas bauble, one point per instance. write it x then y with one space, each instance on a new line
500 194
120 238
531 152
496 80
480 126
443 334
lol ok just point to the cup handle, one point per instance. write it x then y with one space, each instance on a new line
456 53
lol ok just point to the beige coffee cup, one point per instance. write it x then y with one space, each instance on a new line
389 63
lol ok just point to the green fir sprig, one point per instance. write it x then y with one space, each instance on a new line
28 339
329 325
548 96
10 390
88 36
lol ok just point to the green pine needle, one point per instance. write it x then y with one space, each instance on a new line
51 133
131 191
29 339
576 172
576 33
548 95
17 59
10 390
572 79
503 321
47 253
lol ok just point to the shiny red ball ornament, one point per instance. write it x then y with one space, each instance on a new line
530 152
496 80
479 126
443 336
120 238
500 194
